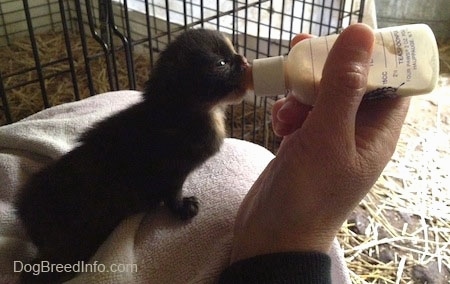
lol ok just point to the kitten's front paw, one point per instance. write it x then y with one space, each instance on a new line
185 208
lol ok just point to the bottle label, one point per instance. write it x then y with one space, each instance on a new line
403 56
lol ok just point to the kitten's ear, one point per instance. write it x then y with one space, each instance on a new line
229 43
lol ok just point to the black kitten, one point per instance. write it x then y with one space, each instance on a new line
138 158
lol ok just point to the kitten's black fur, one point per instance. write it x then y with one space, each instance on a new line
135 159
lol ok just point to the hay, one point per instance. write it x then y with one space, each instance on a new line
400 233
17 58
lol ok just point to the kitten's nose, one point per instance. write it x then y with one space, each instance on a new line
243 61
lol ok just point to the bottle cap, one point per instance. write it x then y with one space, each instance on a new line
268 76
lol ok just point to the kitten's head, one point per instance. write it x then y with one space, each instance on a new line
199 67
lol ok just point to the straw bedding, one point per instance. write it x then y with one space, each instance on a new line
400 233
26 100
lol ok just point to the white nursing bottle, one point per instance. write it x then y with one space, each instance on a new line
405 62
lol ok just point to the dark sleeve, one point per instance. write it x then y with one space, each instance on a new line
290 267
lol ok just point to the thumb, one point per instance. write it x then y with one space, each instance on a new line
344 79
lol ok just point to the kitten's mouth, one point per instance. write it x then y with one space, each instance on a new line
245 82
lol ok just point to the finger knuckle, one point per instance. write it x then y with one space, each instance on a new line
353 77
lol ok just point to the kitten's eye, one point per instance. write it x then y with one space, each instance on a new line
222 62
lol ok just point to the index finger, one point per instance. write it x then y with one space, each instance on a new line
299 37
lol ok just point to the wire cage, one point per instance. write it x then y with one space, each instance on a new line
56 51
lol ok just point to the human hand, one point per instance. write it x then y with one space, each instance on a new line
330 157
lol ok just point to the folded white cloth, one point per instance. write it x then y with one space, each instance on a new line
145 248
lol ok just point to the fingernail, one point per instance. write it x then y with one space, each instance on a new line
358 36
